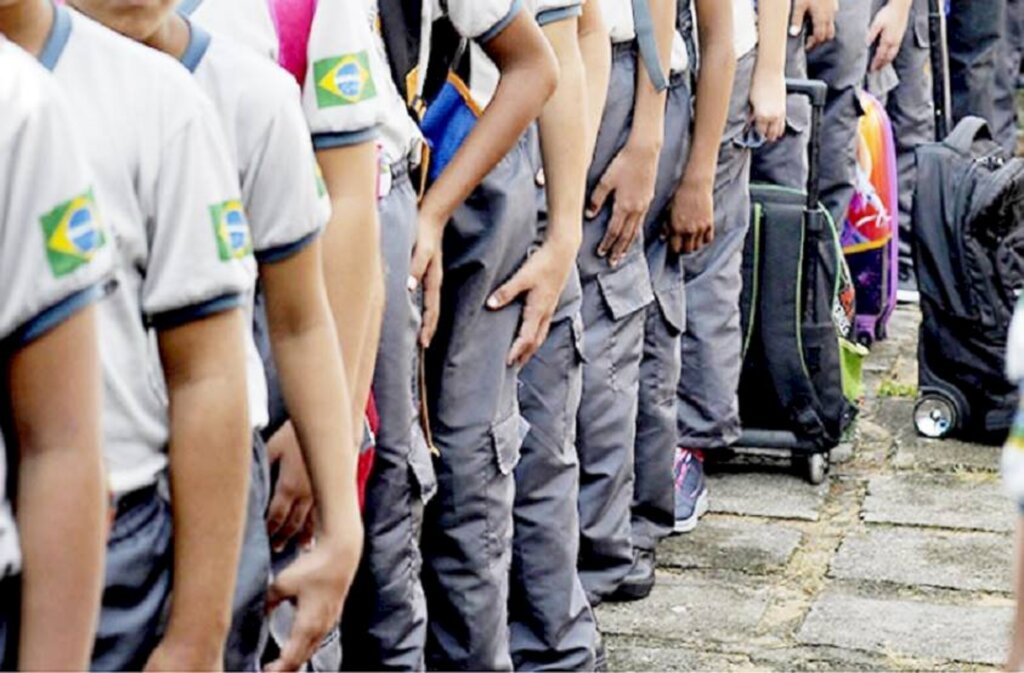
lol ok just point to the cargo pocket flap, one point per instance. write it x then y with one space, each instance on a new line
508 436
672 301
627 289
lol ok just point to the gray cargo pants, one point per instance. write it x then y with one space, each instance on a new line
467 539
385 627
975 33
613 319
653 512
707 407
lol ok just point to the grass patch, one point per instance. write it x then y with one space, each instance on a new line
891 388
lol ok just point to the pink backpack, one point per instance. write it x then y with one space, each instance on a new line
294 22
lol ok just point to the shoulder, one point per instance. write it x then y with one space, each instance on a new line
29 93
258 81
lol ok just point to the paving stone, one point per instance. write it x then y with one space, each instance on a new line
964 633
731 544
630 658
690 610
970 502
916 557
781 496
897 414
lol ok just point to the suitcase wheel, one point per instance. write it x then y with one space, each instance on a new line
935 415
812 466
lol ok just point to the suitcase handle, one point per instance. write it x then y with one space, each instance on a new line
816 92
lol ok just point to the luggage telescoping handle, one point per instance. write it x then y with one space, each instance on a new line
816 92
940 67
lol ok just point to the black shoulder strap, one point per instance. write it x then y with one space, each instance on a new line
400 30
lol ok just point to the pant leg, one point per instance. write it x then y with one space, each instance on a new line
912 111
975 34
656 432
385 625
784 162
248 633
551 625
613 316
707 406
476 425
138 587
1007 75
842 64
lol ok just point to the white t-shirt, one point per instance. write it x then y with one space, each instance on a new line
744 20
54 252
266 134
248 21
171 201
618 18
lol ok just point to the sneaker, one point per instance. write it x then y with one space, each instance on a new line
639 581
908 296
691 489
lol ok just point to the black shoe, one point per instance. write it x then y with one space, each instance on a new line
640 580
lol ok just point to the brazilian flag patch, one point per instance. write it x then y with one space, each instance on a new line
73 234
231 229
343 80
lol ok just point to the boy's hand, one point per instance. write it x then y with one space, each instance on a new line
174 654
823 20
768 104
692 217
317 583
630 177
291 508
542 279
426 271
888 28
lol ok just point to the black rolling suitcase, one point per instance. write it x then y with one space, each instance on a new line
969 253
791 388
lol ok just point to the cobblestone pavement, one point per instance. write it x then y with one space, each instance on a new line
900 561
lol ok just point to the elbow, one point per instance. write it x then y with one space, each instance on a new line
547 74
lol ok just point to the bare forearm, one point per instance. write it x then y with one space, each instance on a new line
314 386
353 271
61 516
563 139
772 24
61 494
596 49
714 89
649 108
210 456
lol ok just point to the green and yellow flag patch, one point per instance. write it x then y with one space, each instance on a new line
343 80
231 228
73 234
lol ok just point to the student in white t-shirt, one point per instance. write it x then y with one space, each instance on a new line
707 403
55 262
262 118
173 340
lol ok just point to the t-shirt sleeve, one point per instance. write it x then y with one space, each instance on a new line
341 90
55 253
552 11
282 188
200 257
480 20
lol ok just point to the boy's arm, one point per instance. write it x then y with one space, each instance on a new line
312 374
563 141
768 87
61 493
596 49
210 454
529 75
888 28
692 222
632 174
352 265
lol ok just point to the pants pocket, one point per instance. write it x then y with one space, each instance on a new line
506 442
